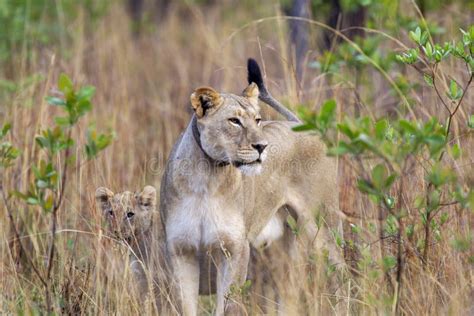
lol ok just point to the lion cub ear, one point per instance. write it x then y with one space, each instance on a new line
203 99
252 93
147 198
102 198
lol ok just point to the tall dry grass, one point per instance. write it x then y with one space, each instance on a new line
143 87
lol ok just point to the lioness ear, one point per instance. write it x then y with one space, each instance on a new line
251 93
203 99
102 197
147 198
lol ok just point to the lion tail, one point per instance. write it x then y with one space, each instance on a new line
255 75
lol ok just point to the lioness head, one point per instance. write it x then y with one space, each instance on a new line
127 214
229 127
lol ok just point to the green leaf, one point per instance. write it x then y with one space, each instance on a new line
424 38
104 140
389 262
19 195
416 35
365 186
439 176
346 130
5 129
435 143
91 150
304 127
365 139
65 84
48 204
378 176
56 101
408 127
327 111
381 129
389 201
428 49
444 218
401 58
470 123
391 226
433 200
418 32
355 229
428 79
41 184
61 121
86 92
32 201
456 151
83 106
42 141
455 92
466 37
453 88
339 150
389 181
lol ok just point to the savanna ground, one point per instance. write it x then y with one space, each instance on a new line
406 183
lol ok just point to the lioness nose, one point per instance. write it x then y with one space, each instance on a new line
260 147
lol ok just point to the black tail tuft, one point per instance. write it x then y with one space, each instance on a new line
255 75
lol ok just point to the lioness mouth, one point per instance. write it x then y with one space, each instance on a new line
242 163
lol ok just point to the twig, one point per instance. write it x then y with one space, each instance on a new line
401 231
54 218
10 217
427 228
438 93
17 235
458 105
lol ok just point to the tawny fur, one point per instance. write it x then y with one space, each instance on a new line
215 211
132 218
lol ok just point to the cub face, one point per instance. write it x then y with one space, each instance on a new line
229 127
127 214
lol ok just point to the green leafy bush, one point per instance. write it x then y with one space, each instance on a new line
26 23
47 187
384 152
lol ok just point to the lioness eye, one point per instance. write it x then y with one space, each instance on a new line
235 121
130 214
258 121
111 213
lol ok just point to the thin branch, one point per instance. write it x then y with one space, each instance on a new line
449 203
401 231
17 235
451 115
54 214
458 105
438 93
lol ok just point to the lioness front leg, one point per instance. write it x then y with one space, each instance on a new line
185 266
232 270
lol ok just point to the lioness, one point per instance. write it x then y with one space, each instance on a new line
226 176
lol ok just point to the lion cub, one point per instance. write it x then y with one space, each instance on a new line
132 217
